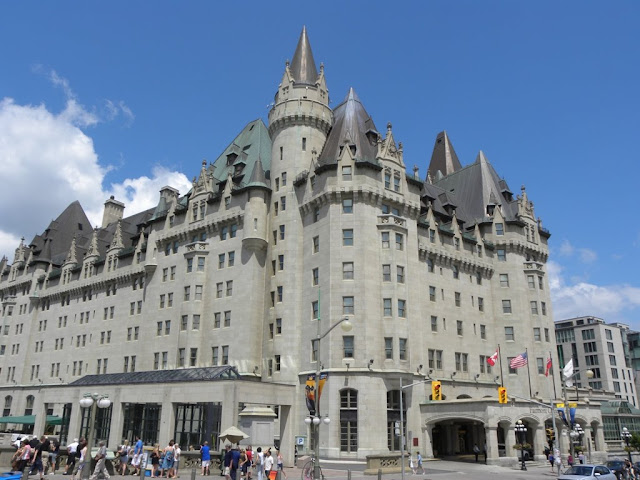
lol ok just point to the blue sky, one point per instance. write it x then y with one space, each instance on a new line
102 98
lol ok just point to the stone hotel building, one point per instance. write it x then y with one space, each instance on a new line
201 313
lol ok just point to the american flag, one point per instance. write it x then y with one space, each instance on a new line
519 361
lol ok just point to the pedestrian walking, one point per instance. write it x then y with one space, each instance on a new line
54 450
551 461
268 464
176 464
476 451
36 457
168 460
228 457
155 461
72 456
137 455
250 457
82 463
259 463
419 461
412 464
101 466
123 454
205 458
280 463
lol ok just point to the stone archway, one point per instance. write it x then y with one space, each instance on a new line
455 438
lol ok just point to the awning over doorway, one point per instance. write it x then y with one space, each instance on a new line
31 419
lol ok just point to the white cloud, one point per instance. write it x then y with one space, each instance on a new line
49 161
566 249
610 302
587 255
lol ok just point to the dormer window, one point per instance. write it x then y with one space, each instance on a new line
231 158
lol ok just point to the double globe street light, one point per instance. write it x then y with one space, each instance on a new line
626 436
93 401
521 432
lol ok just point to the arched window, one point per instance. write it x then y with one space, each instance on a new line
349 420
28 409
7 406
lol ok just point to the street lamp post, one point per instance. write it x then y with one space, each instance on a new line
567 409
316 419
93 401
521 432
428 379
626 436
579 432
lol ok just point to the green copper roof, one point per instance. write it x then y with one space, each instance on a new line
242 154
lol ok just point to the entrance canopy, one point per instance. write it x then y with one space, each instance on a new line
31 419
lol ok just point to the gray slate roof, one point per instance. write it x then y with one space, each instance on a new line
353 128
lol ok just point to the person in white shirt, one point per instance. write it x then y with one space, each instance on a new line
71 456
259 463
268 464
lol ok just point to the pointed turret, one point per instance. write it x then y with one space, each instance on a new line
303 66
93 248
258 177
117 243
72 257
444 158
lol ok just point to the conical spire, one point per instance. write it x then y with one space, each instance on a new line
444 158
258 178
303 66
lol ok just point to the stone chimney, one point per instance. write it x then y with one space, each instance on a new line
113 211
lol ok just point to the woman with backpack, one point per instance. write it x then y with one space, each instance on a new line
169 458
123 453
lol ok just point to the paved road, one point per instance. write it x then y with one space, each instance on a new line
435 470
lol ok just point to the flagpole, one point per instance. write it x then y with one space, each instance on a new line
526 351
500 357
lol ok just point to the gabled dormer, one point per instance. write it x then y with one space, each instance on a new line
393 169
202 188
70 262
527 215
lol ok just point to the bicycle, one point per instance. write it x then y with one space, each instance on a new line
308 469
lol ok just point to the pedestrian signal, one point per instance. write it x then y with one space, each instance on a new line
436 391
502 395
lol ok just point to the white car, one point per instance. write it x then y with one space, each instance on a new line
587 472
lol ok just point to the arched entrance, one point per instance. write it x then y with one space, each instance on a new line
456 437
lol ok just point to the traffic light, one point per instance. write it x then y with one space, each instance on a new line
551 435
502 395
436 392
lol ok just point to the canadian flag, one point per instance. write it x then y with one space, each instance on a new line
493 358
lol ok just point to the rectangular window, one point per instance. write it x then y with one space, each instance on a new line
347 205
221 259
386 307
462 362
348 307
195 323
316 244
400 274
227 318
499 229
399 241
509 333
347 271
184 322
504 280
217 319
346 173
543 307
434 323
214 356
396 183
169 299
229 288
281 262
314 310
502 255
385 240
484 366
432 293
201 263
162 301
198 295
388 348
402 308
282 230
402 348
187 293
189 265
457 298
279 290
483 332
225 354
435 359
181 357
531 282
480 304
459 330
232 259
534 307
278 326
506 306
347 343
386 273
315 276
193 357
536 334
387 180
347 237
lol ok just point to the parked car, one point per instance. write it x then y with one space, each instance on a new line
588 472
616 466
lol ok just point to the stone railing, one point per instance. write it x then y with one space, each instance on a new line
386 463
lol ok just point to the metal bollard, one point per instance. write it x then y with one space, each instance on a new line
193 473
348 474
379 474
